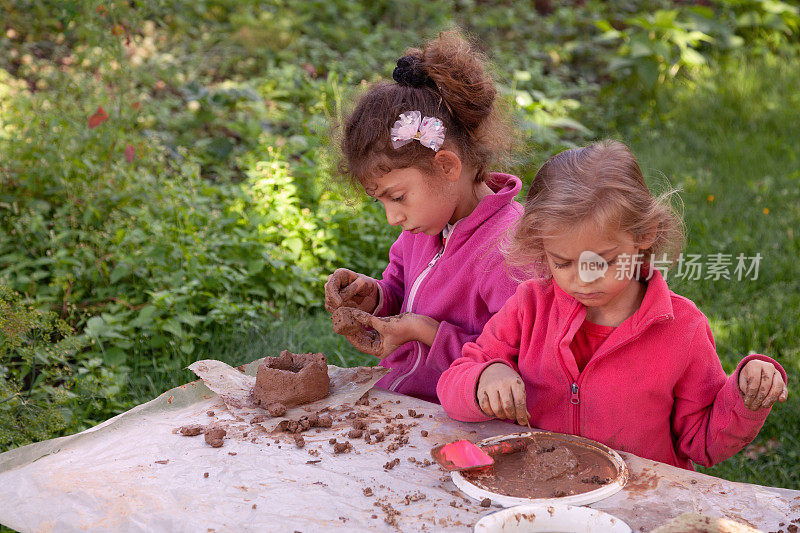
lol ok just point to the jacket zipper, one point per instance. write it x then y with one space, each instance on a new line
575 389
575 401
409 308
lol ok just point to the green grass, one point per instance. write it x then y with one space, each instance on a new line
734 135
294 331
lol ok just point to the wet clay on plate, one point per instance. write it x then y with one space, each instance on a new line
291 379
551 467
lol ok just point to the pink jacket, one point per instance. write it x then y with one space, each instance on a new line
655 388
461 284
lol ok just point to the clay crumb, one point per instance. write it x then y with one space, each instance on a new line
254 506
214 437
342 447
367 491
413 497
391 464
355 433
359 424
210 413
299 441
313 461
205 474
276 409
191 430
423 433
231 453
486 502
163 461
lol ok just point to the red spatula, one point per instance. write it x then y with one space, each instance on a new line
464 455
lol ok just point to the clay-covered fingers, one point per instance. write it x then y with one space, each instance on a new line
777 391
490 404
337 281
520 403
355 325
761 385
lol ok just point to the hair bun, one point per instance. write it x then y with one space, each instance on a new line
409 72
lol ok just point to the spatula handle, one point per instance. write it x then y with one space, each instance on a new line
506 446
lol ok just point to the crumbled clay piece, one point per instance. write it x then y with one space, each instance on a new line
299 441
332 441
276 409
423 433
254 506
342 447
258 418
359 424
210 413
163 461
191 430
355 433
214 437
391 464
205 474
486 502
367 491
325 421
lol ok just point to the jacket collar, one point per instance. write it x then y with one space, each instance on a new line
656 305
505 188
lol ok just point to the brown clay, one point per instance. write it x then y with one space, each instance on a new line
291 380
276 409
355 325
214 437
191 430
551 466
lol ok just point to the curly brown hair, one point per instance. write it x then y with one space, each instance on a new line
448 79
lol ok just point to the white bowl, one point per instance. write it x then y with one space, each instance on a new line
535 517
585 498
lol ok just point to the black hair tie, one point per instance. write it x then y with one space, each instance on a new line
409 72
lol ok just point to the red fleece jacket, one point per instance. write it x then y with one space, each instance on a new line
655 388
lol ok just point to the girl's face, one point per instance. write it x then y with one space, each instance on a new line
597 268
413 200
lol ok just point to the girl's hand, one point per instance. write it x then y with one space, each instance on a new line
761 385
346 288
381 336
501 394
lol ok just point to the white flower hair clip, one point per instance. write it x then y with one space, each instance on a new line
429 131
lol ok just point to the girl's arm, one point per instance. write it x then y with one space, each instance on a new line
710 418
499 343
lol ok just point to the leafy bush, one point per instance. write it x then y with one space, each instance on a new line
48 385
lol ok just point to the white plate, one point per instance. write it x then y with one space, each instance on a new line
584 498
536 517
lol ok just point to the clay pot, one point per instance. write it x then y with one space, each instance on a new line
292 379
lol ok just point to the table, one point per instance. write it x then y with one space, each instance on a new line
133 473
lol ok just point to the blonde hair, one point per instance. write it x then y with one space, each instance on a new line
600 184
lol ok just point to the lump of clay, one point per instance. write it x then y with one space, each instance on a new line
354 324
214 437
548 463
291 379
